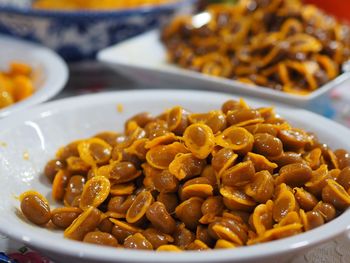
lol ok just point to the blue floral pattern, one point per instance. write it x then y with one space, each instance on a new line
78 35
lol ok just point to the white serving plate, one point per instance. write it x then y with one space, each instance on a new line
50 71
41 130
143 59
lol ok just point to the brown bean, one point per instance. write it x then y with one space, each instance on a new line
109 137
287 158
165 182
105 225
74 188
35 208
238 175
123 172
344 178
137 241
202 234
190 212
313 220
160 218
343 158
120 204
51 169
100 238
183 237
170 201
267 145
157 238
63 217
326 210
306 200
295 174
213 205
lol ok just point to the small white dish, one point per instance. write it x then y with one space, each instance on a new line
30 138
143 59
50 71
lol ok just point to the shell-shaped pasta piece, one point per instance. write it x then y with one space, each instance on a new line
263 128
186 165
238 175
344 178
236 199
278 233
197 245
313 158
167 138
291 218
306 200
169 248
243 117
94 151
162 155
261 187
83 224
222 160
293 138
261 219
138 148
284 203
139 207
216 120
59 184
177 120
227 234
224 244
122 189
199 139
237 139
318 180
196 189
260 162
95 191
336 195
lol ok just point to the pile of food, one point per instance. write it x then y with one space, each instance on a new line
230 177
283 45
95 4
16 84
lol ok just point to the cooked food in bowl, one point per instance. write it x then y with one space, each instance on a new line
95 4
16 84
230 177
282 45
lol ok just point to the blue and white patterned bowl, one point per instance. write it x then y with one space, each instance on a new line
79 35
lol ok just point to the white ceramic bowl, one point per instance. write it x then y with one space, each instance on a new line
148 65
51 72
38 132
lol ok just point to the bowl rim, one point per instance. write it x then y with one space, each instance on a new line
143 10
273 248
56 71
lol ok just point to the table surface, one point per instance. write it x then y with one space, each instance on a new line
90 77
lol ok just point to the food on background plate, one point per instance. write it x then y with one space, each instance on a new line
15 84
95 4
230 177
282 45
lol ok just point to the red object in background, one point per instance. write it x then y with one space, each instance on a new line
337 8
